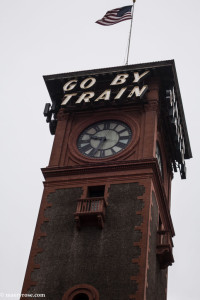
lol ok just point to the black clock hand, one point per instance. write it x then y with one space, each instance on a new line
103 139
96 137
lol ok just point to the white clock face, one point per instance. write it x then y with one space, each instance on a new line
103 139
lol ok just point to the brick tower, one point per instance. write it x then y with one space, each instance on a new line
104 229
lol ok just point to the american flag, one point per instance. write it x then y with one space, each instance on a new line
116 15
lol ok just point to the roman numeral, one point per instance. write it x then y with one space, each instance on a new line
102 153
113 151
96 128
86 148
124 137
120 145
93 152
106 125
85 141
90 134
122 130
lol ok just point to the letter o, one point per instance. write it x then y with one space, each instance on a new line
88 82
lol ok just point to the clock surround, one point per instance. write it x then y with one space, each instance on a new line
104 139
79 128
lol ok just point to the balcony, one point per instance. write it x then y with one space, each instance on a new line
90 211
164 249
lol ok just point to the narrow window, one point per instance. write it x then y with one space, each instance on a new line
96 191
91 210
159 158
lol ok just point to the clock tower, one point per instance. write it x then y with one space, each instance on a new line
104 229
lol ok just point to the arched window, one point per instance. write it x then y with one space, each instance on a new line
81 292
81 296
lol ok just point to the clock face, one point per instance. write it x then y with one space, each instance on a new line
104 139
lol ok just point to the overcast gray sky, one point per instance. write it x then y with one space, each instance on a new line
43 37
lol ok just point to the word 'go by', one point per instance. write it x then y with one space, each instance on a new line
91 81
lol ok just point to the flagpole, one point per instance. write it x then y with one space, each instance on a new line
129 40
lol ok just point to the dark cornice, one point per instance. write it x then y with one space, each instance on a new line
149 65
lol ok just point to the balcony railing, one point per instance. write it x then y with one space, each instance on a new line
90 211
164 249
